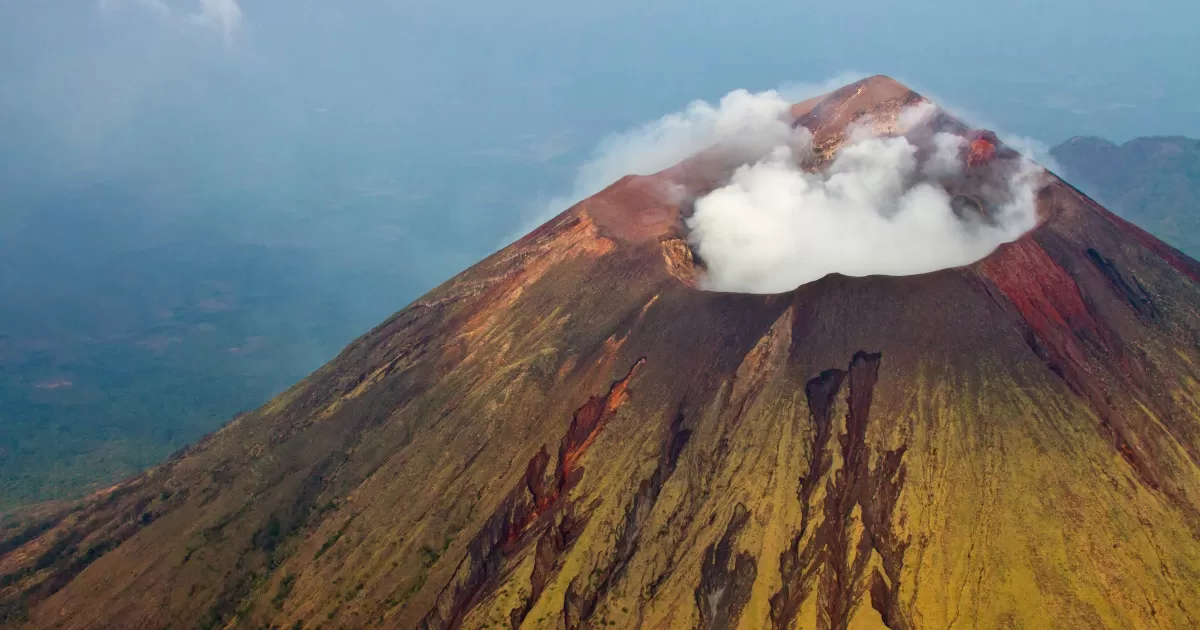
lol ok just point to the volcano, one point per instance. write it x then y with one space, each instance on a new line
573 434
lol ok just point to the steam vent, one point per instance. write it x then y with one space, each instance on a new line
574 434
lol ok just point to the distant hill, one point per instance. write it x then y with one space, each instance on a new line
1154 182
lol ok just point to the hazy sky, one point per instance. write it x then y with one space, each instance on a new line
203 200
407 138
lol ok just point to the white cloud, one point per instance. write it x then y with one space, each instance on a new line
1031 148
947 160
749 123
881 207
223 15
744 123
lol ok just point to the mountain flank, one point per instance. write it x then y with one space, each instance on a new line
572 434
1154 182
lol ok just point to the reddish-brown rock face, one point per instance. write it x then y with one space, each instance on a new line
571 434
982 148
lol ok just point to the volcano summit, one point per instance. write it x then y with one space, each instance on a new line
574 433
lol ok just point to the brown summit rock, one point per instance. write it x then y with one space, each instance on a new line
570 434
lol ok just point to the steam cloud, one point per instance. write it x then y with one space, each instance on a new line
748 122
880 207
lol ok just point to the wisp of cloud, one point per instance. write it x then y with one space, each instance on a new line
882 206
902 203
748 123
222 16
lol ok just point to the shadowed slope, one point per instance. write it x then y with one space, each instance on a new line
570 435
1152 181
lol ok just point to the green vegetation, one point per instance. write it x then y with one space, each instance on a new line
431 555
285 589
167 347
332 540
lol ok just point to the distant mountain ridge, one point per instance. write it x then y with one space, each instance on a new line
1152 181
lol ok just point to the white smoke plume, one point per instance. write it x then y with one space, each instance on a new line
901 204
878 209
744 123
748 122
1031 148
